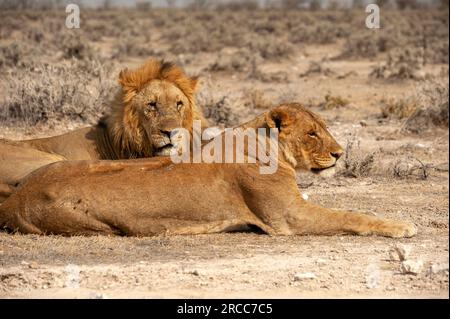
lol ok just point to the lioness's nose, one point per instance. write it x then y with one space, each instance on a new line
337 154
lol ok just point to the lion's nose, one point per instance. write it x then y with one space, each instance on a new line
337 154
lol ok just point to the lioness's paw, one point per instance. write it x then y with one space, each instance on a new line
399 229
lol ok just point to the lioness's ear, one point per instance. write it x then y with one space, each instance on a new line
277 119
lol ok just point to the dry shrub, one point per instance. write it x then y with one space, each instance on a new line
318 68
368 45
433 106
129 47
411 167
74 45
399 108
320 31
403 65
216 107
77 92
11 55
333 102
270 47
239 60
355 162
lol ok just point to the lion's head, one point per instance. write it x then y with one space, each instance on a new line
153 100
303 137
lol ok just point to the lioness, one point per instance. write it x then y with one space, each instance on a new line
153 100
154 196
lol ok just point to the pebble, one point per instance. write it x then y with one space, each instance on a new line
195 273
399 252
303 276
321 261
411 267
98 296
438 268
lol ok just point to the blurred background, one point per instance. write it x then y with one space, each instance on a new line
383 93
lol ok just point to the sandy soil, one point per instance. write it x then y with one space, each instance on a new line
256 265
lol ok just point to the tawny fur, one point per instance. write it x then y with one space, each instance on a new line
147 197
121 134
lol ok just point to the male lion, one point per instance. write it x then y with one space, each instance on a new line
154 196
153 100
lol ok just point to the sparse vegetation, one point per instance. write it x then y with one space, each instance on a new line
399 108
77 92
333 102
433 106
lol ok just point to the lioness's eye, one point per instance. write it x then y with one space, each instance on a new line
152 106
179 105
312 134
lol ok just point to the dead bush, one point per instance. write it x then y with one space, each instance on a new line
270 47
256 99
318 68
355 162
77 92
333 102
74 45
216 107
433 106
11 55
239 60
402 65
369 45
399 108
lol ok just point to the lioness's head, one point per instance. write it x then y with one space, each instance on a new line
154 100
303 137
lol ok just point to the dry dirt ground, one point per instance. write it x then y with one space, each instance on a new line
405 176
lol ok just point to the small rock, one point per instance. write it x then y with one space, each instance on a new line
98 295
195 273
303 276
399 252
321 261
437 268
24 263
411 267
363 123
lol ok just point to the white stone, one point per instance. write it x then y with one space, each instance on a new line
411 267
303 276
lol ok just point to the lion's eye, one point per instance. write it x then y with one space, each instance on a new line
152 106
312 134
179 105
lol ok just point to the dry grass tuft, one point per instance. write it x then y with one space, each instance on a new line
433 106
399 108
77 92
333 102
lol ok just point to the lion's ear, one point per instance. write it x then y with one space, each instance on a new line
278 118
127 80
